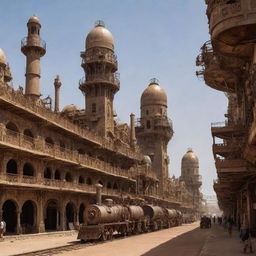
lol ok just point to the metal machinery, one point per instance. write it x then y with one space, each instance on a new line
103 220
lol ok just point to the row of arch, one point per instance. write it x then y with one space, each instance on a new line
28 170
28 218
12 127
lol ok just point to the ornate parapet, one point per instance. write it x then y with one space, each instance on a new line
232 24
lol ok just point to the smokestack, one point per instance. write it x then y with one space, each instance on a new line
132 131
57 85
98 193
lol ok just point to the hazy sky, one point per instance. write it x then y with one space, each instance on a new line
153 38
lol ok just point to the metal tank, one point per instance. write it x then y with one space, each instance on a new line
135 212
97 214
171 213
153 212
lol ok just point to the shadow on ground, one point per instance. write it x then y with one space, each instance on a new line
188 244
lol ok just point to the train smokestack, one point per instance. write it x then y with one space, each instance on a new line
98 193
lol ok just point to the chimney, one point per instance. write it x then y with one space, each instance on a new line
132 131
57 85
98 193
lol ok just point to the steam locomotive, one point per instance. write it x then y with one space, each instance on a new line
103 220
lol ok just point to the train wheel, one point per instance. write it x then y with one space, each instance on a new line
104 235
110 233
155 227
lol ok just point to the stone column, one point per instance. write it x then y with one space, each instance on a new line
57 85
62 218
40 215
132 131
18 228
77 219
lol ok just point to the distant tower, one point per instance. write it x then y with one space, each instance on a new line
155 130
33 47
101 80
190 175
57 85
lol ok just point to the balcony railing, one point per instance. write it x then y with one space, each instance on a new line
219 124
16 98
55 184
111 77
39 147
39 42
89 57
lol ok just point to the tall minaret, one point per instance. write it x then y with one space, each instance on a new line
33 47
155 130
101 81
57 85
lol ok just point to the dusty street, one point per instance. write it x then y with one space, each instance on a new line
186 240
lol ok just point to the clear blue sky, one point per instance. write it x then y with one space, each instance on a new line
153 38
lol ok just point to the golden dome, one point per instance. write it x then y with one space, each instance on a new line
190 159
3 59
34 19
69 108
153 95
99 37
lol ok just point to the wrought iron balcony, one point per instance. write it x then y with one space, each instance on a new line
112 78
37 42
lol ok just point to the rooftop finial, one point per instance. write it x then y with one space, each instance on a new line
99 23
154 81
190 150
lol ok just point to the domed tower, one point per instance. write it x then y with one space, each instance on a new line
101 80
33 47
5 73
190 175
155 129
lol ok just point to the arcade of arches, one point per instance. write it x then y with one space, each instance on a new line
42 212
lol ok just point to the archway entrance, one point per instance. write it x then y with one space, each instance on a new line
81 213
52 216
28 217
70 216
10 216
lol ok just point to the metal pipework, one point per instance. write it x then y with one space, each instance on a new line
98 193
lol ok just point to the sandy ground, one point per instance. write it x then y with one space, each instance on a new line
188 237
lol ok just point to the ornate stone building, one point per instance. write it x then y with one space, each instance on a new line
228 64
50 160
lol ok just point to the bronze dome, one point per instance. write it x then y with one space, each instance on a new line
153 95
34 19
3 59
99 37
190 159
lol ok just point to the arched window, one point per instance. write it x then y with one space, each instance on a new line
28 169
147 112
68 177
148 124
11 167
109 185
57 175
12 129
47 173
49 141
62 146
93 107
89 181
115 186
81 151
28 133
81 180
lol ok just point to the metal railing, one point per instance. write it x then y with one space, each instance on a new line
110 77
28 41
108 56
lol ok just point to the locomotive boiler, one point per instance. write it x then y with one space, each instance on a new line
103 220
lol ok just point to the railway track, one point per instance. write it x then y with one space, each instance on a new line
70 247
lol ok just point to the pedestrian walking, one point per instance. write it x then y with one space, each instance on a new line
2 229
246 238
214 219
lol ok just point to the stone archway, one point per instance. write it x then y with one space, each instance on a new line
52 220
28 217
70 216
10 216
81 213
